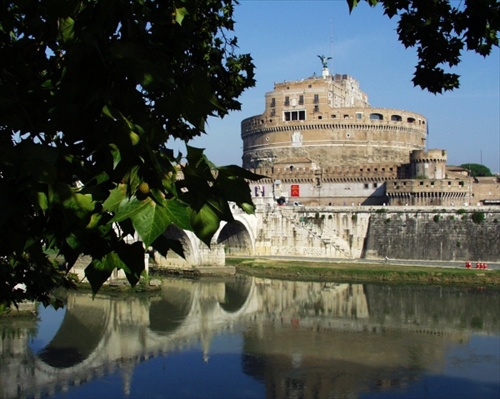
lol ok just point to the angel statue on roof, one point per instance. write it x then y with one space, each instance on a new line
324 60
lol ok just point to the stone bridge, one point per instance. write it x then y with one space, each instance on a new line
424 233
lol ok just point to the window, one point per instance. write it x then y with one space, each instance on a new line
396 118
273 102
294 115
287 101
301 100
316 99
359 115
366 185
375 185
376 117
410 120
316 108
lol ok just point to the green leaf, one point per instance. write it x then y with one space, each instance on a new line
234 170
66 30
151 219
43 202
163 244
100 270
132 256
205 222
180 13
80 204
115 153
116 197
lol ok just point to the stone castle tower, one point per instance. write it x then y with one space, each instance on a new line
320 142
326 121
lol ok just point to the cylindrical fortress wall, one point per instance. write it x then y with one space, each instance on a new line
329 121
350 136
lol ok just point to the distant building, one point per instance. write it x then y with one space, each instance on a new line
321 143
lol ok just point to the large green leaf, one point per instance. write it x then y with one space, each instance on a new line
151 219
116 197
100 270
205 222
132 256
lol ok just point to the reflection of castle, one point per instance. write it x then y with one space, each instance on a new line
333 337
320 142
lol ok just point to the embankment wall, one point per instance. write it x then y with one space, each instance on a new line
444 234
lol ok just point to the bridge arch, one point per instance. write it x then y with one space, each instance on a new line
237 237
187 240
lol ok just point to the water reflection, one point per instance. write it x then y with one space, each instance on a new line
276 339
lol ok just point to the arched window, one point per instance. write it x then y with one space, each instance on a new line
410 120
396 118
376 117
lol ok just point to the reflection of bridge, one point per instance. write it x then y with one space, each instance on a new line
102 335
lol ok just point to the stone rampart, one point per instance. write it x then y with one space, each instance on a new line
425 233
435 234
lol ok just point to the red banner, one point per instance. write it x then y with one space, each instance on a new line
295 190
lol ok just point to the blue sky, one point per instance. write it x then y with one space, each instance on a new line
284 38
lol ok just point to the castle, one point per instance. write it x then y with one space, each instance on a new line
319 142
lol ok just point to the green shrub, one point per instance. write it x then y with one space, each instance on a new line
381 210
461 211
436 218
354 217
478 217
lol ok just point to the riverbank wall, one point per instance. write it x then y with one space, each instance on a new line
426 233
444 235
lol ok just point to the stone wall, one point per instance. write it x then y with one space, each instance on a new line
444 234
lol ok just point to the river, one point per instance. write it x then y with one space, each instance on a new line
259 338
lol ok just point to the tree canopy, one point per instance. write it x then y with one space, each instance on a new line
440 30
476 169
89 93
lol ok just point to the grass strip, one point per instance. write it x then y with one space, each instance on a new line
365 273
